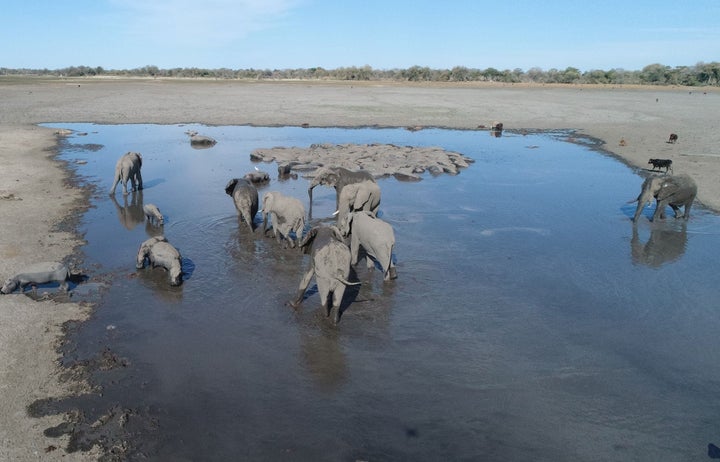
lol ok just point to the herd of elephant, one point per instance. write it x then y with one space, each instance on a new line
357 202
358 199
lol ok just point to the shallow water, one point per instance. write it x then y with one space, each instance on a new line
527 321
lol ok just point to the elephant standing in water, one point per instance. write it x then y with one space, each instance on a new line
339 178
159 252
287 214
128 169
375 236
330 266
673 190
363 196
245 197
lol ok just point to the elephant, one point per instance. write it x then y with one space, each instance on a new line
287 214
375 236
128 169
38 273
200 141
363 196
330 266
258 177
673 190
153 215
245 197
159 252
339 177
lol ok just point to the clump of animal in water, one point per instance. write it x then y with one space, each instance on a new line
661 163
200 141
673 138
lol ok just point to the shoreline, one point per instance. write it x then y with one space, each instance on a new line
36 194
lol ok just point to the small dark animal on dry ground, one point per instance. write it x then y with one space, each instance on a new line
660 163
673 138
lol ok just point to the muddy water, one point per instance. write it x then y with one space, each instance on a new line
528 321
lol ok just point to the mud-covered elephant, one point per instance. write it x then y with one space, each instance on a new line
339 178
287 215
38 273
159 252
375 236
245 197
330 266
673 190
127 169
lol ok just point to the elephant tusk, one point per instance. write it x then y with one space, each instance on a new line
335 212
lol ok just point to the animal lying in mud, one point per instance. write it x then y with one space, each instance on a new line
38 273
661 163
159 252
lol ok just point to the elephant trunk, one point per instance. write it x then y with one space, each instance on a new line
310 190
645 197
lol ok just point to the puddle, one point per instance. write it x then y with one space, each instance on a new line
528 320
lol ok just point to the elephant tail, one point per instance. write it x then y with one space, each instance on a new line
347 283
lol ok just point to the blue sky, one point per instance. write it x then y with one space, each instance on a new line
384 34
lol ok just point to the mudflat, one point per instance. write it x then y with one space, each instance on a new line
38 202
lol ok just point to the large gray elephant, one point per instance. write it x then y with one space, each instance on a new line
375 236
159 252
245 197
673 190
339 178
330 266
38 273
287 215
127 169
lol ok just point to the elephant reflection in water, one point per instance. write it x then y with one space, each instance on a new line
665 245
131 212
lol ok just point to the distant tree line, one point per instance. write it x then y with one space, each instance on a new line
653 74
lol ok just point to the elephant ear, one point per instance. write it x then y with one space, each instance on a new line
668 188
231 186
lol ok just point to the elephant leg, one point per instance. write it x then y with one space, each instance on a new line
659 210
337 301
354 249
688 206
676 210
138 178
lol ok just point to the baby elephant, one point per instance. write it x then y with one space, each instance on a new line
128 169
152 213
38 273
330 266
159 252
245 197
375 236
287 214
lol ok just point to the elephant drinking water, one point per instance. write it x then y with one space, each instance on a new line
673 190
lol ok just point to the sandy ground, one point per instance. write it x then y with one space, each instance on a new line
35 197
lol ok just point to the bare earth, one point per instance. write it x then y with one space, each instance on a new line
35 197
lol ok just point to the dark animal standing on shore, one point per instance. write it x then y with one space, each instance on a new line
673 138
660 163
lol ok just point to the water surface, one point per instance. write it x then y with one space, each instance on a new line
529 321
